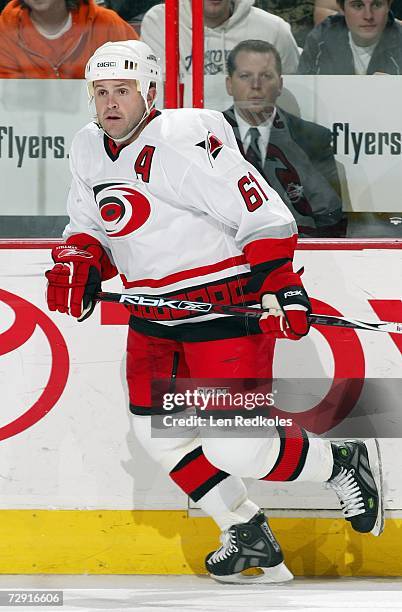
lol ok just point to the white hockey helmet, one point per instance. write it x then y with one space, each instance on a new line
125 59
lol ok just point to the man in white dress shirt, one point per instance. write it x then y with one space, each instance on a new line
294 156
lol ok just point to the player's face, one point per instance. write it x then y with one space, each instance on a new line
255 85
119 106
366 19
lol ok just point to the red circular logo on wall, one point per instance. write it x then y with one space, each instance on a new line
27 319
348 377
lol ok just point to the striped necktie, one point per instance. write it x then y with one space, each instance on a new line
253 154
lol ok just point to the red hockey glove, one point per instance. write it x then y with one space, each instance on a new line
282 292
76 276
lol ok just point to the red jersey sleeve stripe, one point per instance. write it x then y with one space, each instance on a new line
268 249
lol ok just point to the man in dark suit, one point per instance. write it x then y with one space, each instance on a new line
295 156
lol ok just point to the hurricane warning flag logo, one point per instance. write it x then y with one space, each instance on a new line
212 145
123 209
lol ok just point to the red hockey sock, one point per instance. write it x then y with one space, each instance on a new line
195 475
294 445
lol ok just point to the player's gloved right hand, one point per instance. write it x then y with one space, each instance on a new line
75 278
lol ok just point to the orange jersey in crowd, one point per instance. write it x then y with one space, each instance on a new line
25 53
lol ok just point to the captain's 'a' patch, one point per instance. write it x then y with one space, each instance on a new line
212 145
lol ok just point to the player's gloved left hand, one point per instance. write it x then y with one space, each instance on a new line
282 293
74 280
291 322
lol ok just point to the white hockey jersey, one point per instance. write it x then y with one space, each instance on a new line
175 210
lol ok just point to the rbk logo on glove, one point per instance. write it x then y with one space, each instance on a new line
289 294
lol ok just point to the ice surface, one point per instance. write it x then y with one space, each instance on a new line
200 593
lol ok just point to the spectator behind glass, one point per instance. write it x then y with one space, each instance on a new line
50 39
298 13
226 24
323 9
294 156
131 10
396 8
363 38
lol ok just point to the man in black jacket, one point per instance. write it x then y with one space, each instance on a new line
293 155
363 38
131 10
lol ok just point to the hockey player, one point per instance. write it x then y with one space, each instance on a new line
166 200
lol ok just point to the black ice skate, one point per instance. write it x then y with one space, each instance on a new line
357 481
245 546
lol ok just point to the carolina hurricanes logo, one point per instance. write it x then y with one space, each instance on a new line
212 145
123 209
29 331
295 192
288 178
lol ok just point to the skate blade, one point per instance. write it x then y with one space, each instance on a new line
374 456
279 573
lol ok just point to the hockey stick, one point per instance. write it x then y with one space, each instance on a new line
206 307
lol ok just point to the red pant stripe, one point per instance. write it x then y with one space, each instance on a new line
292 454
195 475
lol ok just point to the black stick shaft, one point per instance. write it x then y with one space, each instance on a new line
246 311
